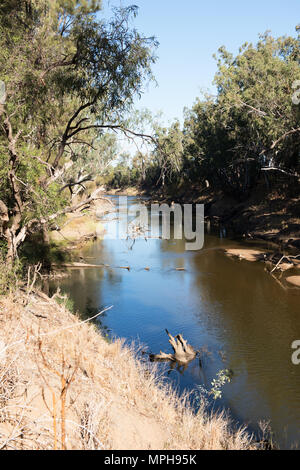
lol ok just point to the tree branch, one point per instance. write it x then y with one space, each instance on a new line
116 127
67 210
286 134
84 179
256 110
271 168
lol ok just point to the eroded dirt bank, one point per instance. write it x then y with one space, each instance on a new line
271 216
63 386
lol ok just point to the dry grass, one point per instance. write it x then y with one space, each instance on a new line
62 386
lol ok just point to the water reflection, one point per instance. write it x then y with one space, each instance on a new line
233 309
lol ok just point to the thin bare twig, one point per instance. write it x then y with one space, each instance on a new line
281 259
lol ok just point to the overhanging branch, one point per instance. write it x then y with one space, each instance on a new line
67 210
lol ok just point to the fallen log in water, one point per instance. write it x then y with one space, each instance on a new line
77 265
183 352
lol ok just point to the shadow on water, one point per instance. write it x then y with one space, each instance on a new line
233 310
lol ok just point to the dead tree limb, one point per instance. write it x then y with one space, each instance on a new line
281 259
183 352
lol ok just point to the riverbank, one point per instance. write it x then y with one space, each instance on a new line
273 222
268 216
64 386
279 254
82 226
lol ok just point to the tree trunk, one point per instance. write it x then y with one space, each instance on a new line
12 253
46 242
14 241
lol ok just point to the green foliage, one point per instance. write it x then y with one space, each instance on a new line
223 377
122 176
158 166
39 200
169 152
227 139
70 77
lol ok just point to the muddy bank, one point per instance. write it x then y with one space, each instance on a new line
275 220
279 266
264 216
63 386
269 217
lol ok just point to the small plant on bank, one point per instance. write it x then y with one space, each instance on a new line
65 301
223 377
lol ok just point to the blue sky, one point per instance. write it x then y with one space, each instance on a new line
191 31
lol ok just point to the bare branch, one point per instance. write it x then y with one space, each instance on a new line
116 127
281 259
59 173
80 182
286 134
256 110
271 168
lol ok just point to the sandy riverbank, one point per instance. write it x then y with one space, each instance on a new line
79 227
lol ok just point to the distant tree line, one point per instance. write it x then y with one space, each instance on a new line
249 131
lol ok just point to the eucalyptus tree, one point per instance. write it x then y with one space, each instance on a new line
160 164
69 77
253 123
169 152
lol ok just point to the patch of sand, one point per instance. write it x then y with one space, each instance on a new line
78 265
294 280
76 228
243 253
80 226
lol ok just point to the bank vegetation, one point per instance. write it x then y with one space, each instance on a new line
64 386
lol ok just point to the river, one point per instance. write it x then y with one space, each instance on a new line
235 310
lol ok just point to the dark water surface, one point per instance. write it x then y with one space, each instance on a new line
235 309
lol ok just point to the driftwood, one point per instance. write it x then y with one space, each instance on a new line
288 258
78 265
183 352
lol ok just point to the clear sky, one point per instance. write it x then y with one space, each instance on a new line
191 31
